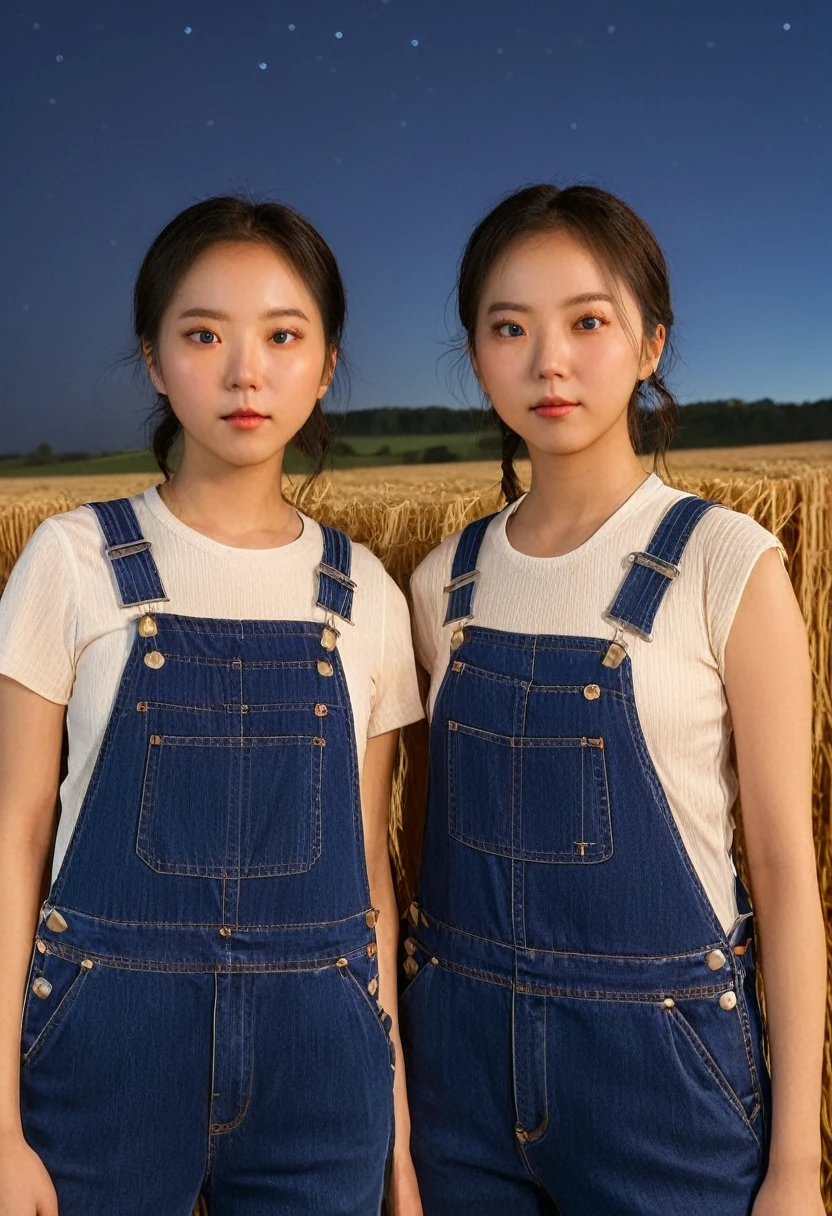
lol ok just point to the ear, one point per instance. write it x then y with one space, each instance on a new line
652 352
152 368
329 371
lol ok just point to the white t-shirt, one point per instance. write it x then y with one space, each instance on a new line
64 634
677 677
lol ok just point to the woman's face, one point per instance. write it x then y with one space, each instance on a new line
241 353
552 352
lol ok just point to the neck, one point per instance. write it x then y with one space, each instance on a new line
572 495
236 505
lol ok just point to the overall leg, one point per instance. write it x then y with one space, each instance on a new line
457 1033
302 1119
114 1087
653 1108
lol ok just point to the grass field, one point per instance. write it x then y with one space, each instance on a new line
402 511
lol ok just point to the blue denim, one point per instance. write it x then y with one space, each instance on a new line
201 1011
581 1035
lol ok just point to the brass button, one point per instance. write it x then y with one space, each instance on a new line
40 946
342 962
324 667
321 711
154 659
521 1133
413 914
371 949
147 627
715 960
592 692
668 1002
56 922
372 987
410 945
457 638
728 1000
41 988
435 961
371 918
410 967
87 964
329 637
225 931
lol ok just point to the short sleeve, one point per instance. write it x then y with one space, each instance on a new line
38 616
397 701
733 545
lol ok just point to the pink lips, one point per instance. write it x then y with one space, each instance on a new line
245 420
554 407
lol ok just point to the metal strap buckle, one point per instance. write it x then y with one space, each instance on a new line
331 572
462 581
114 552
655 563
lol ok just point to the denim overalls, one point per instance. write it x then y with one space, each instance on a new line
201 1011
581 1035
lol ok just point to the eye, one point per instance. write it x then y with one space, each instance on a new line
509 329
590 324
283 337
205 337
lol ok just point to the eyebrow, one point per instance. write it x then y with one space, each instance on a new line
270 315
588 297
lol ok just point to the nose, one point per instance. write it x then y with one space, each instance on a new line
244 370
553 354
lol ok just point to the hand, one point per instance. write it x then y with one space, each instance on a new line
25 1186
786 1192
403 1199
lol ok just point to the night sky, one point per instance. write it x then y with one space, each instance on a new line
393 125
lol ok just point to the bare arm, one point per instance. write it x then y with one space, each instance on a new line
376 779
31 731
768 685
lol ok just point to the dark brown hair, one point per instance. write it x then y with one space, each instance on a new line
234 218
625 249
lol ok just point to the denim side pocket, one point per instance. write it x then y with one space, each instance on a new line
54 986
710 1044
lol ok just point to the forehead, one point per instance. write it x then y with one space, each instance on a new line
547 264
246 271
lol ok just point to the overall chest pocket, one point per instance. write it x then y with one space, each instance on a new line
543 800
217 807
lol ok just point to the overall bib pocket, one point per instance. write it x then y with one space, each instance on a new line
231 806
544 800
54 986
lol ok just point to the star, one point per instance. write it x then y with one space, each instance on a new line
188 29
262 66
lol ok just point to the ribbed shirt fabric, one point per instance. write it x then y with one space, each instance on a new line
677 677
64 634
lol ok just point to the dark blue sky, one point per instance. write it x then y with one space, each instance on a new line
714 120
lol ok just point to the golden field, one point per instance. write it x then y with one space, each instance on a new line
402 512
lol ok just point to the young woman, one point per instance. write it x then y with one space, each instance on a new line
581 1025
204 1007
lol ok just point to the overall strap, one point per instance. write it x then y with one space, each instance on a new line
653 570
136 573
335 587
464 572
